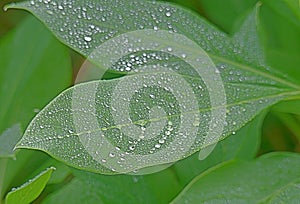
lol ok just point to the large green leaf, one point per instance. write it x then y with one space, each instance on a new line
268 179
29 191
78 127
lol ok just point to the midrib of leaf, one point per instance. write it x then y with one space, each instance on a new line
174 115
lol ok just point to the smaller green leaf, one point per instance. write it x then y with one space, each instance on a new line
266 178
29 191
8 139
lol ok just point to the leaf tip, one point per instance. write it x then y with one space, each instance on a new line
9 6
52 168
17 146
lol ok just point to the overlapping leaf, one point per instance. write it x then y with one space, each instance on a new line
272 178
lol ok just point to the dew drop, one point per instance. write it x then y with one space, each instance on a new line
112 155
196 123
157 146
168 14
161 141
87 39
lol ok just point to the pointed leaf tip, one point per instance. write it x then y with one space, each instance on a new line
9 6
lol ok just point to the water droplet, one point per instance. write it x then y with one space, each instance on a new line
196 123
87 38
168 14
112 155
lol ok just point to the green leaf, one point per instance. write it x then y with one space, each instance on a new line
242 145
29 191
88 136
19 170
272 176
154 188
8 140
